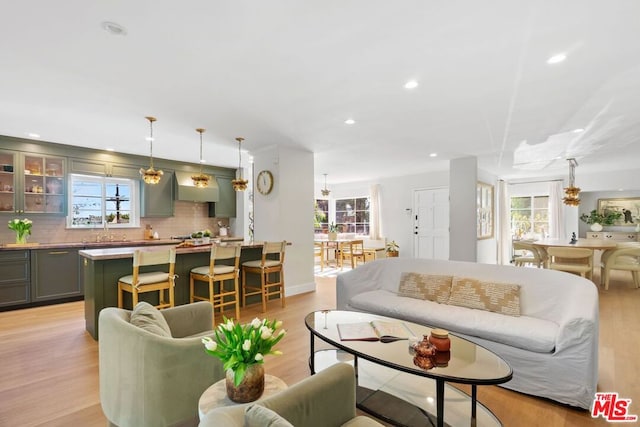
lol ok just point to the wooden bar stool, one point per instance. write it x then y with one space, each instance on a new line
215 272
159 281
271 263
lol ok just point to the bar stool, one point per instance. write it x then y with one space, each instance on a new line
264 267
218 273
160 281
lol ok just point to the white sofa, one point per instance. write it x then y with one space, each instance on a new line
552 346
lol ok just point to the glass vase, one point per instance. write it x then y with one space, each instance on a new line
250 388
21 238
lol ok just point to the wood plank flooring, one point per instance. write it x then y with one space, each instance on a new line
49 363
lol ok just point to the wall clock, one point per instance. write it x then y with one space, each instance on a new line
264 182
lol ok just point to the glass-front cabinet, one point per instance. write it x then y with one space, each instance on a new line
32 183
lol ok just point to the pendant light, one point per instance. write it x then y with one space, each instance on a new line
325 191
151 176
201 180
572 191
239 184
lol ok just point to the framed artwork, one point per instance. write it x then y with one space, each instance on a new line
628 207
484 199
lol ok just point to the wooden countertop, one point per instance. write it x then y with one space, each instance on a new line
113 244
127 252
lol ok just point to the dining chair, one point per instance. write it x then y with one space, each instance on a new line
269 265
218 272
353 251
626 256
150 281
525 253
318 251
572 260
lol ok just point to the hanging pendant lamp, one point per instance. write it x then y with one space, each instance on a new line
572 191
325 191
151 175
200 180
239 184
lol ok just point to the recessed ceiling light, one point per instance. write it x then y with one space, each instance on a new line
411 84
113 28
555 59
578 130
349 121
110 149
433 155
33 135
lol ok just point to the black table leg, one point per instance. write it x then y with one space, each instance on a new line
474 399
312 355
440 402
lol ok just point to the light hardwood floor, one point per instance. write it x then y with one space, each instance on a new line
49 363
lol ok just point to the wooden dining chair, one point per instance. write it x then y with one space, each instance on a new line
318 251
572 260
139 282
525 253
353 251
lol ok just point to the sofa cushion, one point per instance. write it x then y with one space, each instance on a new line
149 318
431 287
501 298
259 416
525 332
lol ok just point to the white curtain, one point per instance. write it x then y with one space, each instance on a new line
556 217
504 224
375 227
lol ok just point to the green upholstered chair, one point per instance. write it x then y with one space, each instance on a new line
326 399
152 378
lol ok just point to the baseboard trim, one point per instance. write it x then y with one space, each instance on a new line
299 289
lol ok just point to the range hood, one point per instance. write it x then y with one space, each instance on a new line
186 191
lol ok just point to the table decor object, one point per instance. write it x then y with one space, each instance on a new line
242 349
22 227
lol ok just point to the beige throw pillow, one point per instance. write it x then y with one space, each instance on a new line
501 298
430 287
149 318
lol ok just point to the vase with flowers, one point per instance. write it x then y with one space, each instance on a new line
22 227
596 219
242 349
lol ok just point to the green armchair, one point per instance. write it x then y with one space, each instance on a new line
152 380
326 399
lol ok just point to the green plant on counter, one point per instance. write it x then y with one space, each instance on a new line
608 218
392 246
334 228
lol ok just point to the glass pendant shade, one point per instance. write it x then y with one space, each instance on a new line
200 180
151 175
239 184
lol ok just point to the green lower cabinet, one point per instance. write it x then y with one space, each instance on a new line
54 274
15 278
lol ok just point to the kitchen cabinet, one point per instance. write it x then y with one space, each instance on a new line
100 167
32 184
15 278
54 274
225 207
157 199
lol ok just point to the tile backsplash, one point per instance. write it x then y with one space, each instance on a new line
188 217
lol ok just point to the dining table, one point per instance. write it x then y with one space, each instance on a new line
593 244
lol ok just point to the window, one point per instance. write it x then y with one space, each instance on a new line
321 215
529 215
94 199
352 215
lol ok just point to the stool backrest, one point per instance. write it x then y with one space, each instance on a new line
154 257
270 248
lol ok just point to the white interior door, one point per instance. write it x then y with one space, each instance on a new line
431 223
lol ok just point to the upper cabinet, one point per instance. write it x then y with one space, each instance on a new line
226 205
100 167
32 183
157 199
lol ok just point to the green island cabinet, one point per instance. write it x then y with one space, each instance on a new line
55 274
15 279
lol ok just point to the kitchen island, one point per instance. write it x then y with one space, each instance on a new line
101 269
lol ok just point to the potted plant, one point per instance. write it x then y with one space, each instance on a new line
333 231
392 249
597 220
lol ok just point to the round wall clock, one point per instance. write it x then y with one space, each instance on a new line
264 182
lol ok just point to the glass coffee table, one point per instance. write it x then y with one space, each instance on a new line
392 388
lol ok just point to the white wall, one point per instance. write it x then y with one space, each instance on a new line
287 212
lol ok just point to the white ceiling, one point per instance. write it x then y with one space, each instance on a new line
290 72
